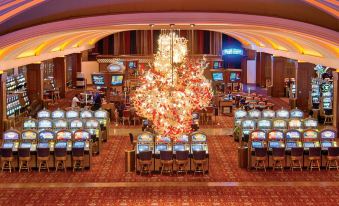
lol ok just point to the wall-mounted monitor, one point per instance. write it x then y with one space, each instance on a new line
117 80
234 76
218 76
132 64
217 64
98 79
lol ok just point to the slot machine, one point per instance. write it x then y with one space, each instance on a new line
247 125
162 143
103 117
282 113
45 124
327 139
310 123
264 124
72 114
181 143
295 124
60 124
58 114
93 126
257 140
239 115
82 139
44 114
29 139
315 94
326 94
296 113
292 88
268 114
76 124
310 139
46 139
254 114
292 140
199 143
30 123
11 139
145 142
280 124
275 140
64 140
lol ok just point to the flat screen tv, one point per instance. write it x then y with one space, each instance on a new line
117 80
132 65
234 76
218 76
98 79
216 65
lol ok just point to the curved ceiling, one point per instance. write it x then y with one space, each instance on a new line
316 42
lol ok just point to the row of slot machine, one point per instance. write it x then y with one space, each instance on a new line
146 141
292 139
48 139
17 98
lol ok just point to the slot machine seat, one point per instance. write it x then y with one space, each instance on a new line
126 115
328 119
181 161
166 161
60 155
297 154
260 156
314 157
78 157
332 157
199 160
145 161
24 158
278 156
43 155
132 141
7 159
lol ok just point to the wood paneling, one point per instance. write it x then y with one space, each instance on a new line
75 63
263 68
3 102
34 81
305 73
336 100
244 70
60 75
282 68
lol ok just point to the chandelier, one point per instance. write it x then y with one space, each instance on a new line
173 88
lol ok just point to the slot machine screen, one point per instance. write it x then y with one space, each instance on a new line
254 113
76 124
161 147
60 124
79 144
179 147
72 114
282 114
268 114
216 65
327 135
274 144
92 124
28 135
81 136
45 124
58 114
132 65
258 135
248 124
117 80
43 145
11 136
145 137
217 76
143 148
326 144
25 145
257 144
310 135
197 147
234 76
297 114
98 79
291 144
29 124
308 144
61 145
240 114
182 138
264 123
292 135
246 132
294 123
279 124
46 136
311 123
86 114
64 136
275 135
44 114
100 114
199 137
7 145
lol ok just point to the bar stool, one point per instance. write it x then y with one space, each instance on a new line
328 119
181 161
7 159
297 154
278 156
24 159
60 156
126 115
78 156
145 162
43 158
166 161
332 157
260 158
199 160
314 158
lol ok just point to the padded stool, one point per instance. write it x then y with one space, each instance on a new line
7 159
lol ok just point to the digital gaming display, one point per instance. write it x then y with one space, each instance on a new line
297 114
264 123
143 147
311 123
11 136
161 147
29 135
234 76
100 114
268 114
327 135
282 114
258 135
81 136
240 114
182 138
76 124
310 134
248 123
198 137
60 124
44 114
254 113
163 139
72 114
279 124
98 79
46 135
292 135
86 114
257 144
64 135
45 124
132 65
275 144
217 76
79 144
117 80
92 124
61 145
197 147
145 137
216 65
25 145
294 123
275 135
58 114
179 147
29 123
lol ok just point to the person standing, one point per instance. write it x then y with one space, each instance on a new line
75 101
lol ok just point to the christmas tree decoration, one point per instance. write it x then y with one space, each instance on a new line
173 88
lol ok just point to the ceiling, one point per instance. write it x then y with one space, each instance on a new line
303 30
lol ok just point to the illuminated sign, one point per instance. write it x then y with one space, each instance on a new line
232 51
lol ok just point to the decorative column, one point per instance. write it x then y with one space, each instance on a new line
74 61
34 81
263 68
60 75
336 99
282 68
3 101
305 72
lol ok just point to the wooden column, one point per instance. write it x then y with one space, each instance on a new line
336 100
75 63
3 102
263 68
60 75
305 72
244 70
282 68
34 81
